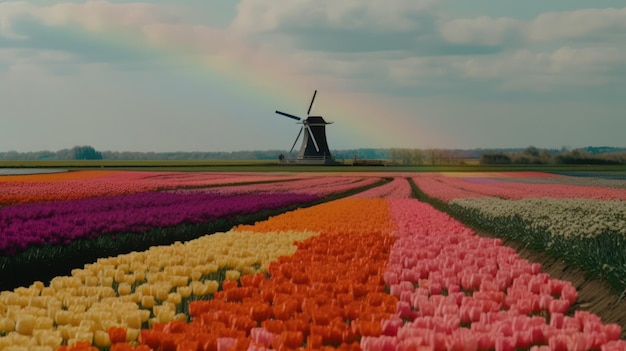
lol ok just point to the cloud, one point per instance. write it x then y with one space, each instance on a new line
275 15
564 68
586 24
103 15
482 31
10 12
337 26
70 28
34 56
580 24
350 44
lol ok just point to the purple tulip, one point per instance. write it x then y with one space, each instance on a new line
61 222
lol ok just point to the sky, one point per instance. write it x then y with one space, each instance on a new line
202 75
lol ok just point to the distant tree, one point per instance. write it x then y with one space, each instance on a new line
418 157
85 153
495 159
531 151
45 155
12 155
394 155
545 157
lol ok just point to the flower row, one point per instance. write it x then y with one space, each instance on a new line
573 180
329 293
152 287
61 222
84 184
459 291
447 188
321 186
571 218
398 188
448 289
136 290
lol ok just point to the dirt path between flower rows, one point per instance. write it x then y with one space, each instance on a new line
593 295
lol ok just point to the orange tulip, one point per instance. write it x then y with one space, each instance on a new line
117 335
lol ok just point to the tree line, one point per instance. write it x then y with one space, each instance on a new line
394 156
581 156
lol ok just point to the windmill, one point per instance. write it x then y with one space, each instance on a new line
314 148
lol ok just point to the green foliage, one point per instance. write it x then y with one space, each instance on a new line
85 153
532 155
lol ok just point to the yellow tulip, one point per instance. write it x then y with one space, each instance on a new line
211 287
101 339
63 317
123 289
25 324
232 275
147 301
7 325
44 323
184 291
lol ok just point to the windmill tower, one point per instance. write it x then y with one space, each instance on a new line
314 148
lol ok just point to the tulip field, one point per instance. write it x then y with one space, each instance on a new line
319 261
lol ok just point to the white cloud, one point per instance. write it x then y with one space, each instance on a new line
9 12
273 15
519 66
563 68
608 23
581 24
482 30
103 15
418 71
34 56
93 15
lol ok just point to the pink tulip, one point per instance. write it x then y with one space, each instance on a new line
613 331
559 306
556 320
262 337
225 344
391 326
619 345
558 342
505 343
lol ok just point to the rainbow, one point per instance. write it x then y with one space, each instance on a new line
364 119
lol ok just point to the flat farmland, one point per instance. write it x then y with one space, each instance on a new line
127 256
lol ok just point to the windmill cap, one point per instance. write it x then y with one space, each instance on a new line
316 120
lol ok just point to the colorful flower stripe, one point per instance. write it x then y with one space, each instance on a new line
53 177
448 188
328 293
502 175
435 186
398 188
51 187
328 217
571 218
458 291
573 180
135 290
449 289
61 222
144 280
321 186
455 291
